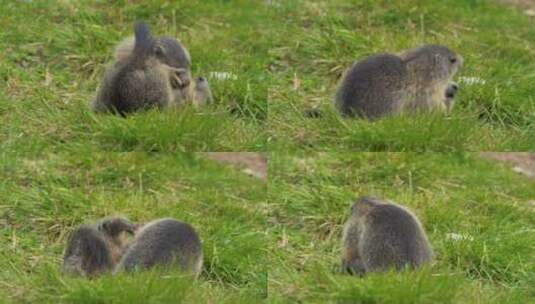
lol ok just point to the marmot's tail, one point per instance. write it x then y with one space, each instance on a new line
143 39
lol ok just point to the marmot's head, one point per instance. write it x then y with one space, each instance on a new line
432 62
203 94
114 226
363 205
171 52
168 50
118 232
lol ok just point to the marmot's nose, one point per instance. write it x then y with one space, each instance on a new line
452 90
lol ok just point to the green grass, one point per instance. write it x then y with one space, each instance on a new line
43 199
310 196
53 61
316 41
62 165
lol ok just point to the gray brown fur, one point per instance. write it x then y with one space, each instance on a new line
95 249
172 53
185 89
164 242
198 91
147 77
385 84
381 235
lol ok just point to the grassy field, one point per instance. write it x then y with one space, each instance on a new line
316 41
478 216
53 56
62 165
43 199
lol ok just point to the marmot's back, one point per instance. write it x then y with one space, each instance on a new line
87 253
397 236
380 235
163 242
369 86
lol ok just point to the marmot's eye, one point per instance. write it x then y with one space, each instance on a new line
453 60
159 50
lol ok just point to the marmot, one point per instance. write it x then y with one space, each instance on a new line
451 92
196 91
380 235
147 77
163 242
95 249
416 80
202 94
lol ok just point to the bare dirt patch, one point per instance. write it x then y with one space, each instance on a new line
251 163
527 6
521 162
